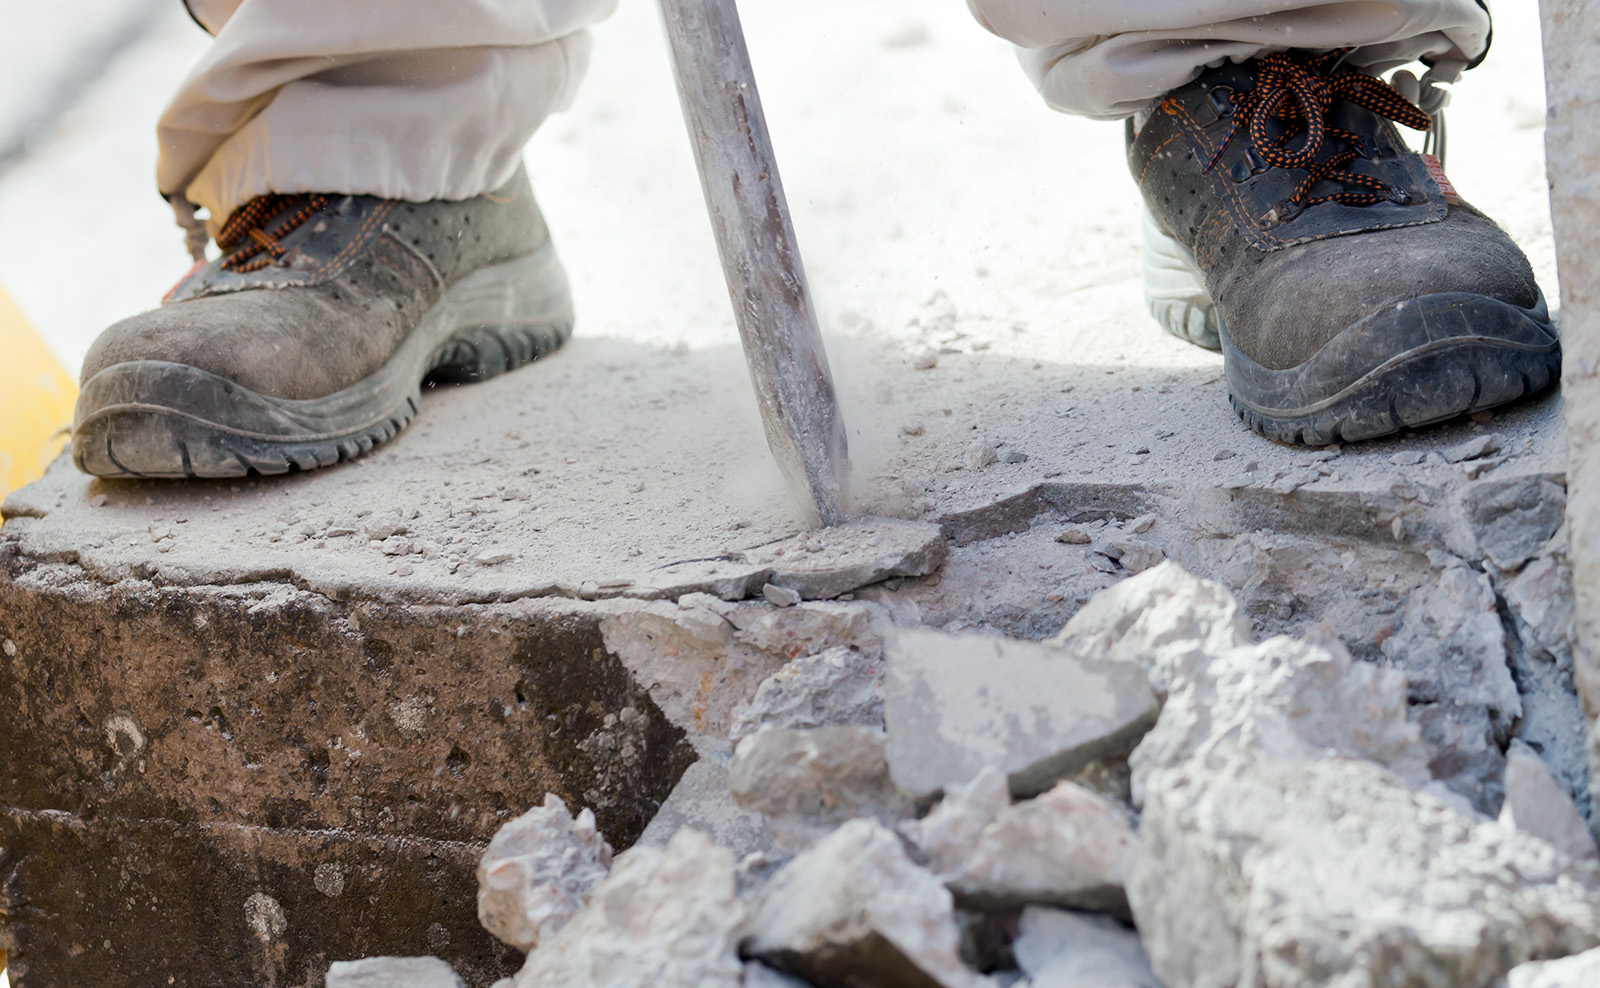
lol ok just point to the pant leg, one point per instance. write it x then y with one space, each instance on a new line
1110 58
405 99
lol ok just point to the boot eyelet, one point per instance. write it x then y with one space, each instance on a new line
1283 212
1398 196
1221 98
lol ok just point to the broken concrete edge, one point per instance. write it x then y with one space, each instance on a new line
916 549
1425 515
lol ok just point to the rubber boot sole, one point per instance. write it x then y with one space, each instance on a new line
1423 361
152 418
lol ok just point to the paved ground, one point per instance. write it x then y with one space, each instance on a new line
939 205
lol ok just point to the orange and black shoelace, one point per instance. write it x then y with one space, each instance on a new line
245 240
1297 90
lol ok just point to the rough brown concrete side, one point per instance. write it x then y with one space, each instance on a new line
169 722
1572 148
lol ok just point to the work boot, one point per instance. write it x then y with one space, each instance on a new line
309 340
1352 292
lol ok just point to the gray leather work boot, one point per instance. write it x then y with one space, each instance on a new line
309 340
1355 294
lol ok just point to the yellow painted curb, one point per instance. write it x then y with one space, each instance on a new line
36 398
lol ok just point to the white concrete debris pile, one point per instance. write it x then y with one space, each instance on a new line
1286 824
538 872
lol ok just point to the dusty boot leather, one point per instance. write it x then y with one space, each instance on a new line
1357 293
309 340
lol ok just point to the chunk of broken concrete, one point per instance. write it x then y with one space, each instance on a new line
1512 519
823 564
1291 698
1164 619
1276 873
1536 804
1137 555
393 972
1579 971
1071 950
806 783
841 687
663 918
1451 645
1068 847
949 833
854 910
956 704
702 801
538 871
694 672
1473 449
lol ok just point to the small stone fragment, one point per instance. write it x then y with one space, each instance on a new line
493 557
1537 805
808 782
925 359
1014 456
1068 847
956 704
913 429
1071 950
1137 555
1407 458
780 596
1075 536
854 910
839 687
949 833
383 525
393 972
1473 449
99 501
1579 971
662 919
1226 454
979 455
1140 525
538 871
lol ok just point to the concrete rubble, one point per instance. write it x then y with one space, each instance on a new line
955 705
667 918
1580 971
538 872
806 783
1067 847
393 972
1283 784
855 910
1058 949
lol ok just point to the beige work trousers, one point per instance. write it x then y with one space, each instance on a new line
418 100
